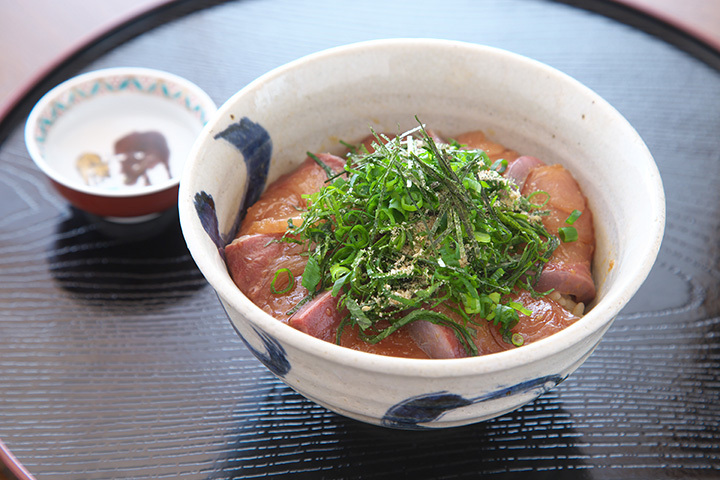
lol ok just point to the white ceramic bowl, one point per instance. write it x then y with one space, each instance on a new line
113 142
310 104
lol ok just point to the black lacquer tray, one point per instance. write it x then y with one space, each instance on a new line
117 360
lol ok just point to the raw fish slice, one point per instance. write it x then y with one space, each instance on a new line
478 141
440 341
319 317
548 317
569 269
437 341
253 261
568 272
520 168
283 198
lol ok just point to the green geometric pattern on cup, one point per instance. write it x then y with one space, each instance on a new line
83 92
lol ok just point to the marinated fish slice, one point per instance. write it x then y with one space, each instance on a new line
319 317
569 269
255 261
283 200
519 169
477 140
548 317
440 341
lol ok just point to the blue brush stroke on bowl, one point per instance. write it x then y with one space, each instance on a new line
274 357
255 145
410 413
205 209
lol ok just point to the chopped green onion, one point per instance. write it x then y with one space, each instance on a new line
482 237
517 339
417 224
536 193
290 285
520 308
573 216
568 234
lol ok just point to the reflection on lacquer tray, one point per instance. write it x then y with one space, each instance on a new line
506 445
111 263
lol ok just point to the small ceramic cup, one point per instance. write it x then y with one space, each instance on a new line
113 142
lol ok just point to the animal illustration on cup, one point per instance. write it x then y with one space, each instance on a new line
92 168
135 156
139 153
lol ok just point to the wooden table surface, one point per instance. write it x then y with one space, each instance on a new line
37 35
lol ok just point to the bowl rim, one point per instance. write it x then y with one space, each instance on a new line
600 316
31 143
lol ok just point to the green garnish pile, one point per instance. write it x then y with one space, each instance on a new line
417 224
